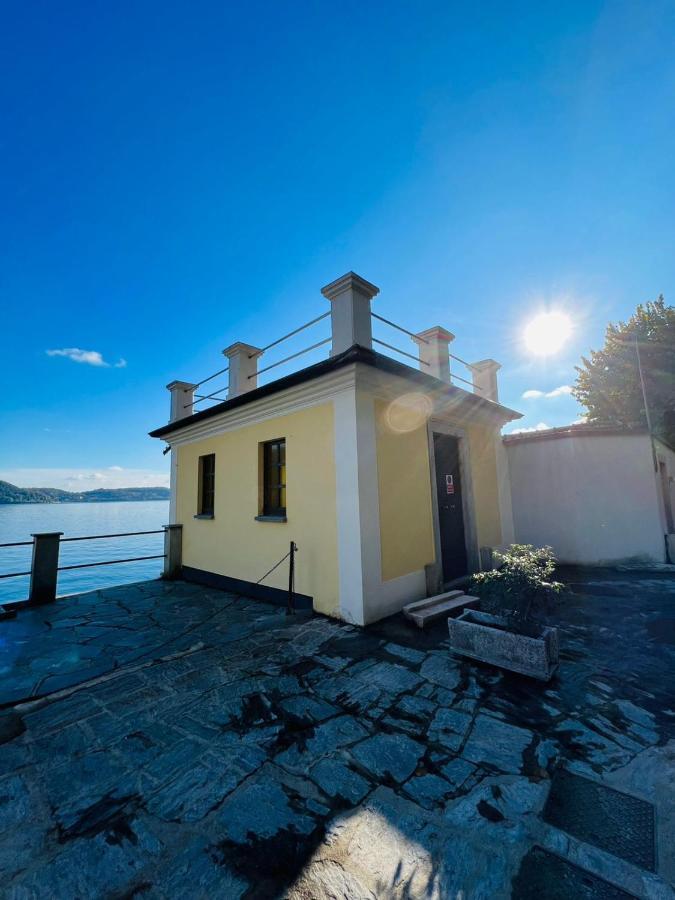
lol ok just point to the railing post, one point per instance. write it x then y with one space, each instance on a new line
485 379
182 399
290 607
433 350
243 368
350 298
173 551
44 568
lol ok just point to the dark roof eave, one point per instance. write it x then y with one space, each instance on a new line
355 354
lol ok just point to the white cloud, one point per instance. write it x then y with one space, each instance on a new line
562 391
85 479
540 426
88 357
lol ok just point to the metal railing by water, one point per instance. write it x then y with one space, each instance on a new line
97 537
13 574
45 560
109 562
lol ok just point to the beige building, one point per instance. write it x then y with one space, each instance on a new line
389 478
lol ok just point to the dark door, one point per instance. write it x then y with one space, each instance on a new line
450 511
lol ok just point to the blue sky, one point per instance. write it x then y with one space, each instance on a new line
179 176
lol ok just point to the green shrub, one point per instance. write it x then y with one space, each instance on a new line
521 585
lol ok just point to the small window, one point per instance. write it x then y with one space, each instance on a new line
274 478
207 483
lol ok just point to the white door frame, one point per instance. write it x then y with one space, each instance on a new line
468 508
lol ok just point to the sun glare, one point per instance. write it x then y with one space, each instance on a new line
547 333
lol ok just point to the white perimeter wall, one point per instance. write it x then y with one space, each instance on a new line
592 498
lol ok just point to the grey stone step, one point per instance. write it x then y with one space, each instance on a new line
441 610
431 601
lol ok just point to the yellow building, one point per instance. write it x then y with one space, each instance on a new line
388 478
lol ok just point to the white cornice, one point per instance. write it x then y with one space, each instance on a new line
458 405
310 393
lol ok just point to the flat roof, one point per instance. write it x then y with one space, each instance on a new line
355 354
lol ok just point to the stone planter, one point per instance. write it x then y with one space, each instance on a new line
489 639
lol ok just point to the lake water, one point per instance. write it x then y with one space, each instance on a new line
19 521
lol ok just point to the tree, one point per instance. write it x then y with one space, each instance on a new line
608 384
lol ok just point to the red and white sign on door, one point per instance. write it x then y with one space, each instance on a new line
449 485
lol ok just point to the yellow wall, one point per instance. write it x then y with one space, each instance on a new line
233 543
406 512
485 488
406 525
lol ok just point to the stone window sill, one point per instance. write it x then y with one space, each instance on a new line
271 519
204 516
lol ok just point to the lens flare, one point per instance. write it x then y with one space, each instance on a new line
408 412
547 333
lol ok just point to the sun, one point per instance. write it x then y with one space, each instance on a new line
547 333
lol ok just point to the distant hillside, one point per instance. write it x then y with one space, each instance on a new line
10 493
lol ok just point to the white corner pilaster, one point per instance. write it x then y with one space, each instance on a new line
484 373
182 399
173 486
350 566
358 510
350 298
433 351
369 504
243 368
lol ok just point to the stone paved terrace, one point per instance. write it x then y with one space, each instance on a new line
182 742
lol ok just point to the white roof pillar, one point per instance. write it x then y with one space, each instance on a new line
484 373
243 368
350 298
182 398
433 351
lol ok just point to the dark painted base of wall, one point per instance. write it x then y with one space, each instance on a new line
246 588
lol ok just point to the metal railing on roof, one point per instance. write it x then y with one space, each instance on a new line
289 335
422 362
200 398
219 395
419 360
399 328
292 356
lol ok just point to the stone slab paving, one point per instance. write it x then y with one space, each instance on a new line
165 740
